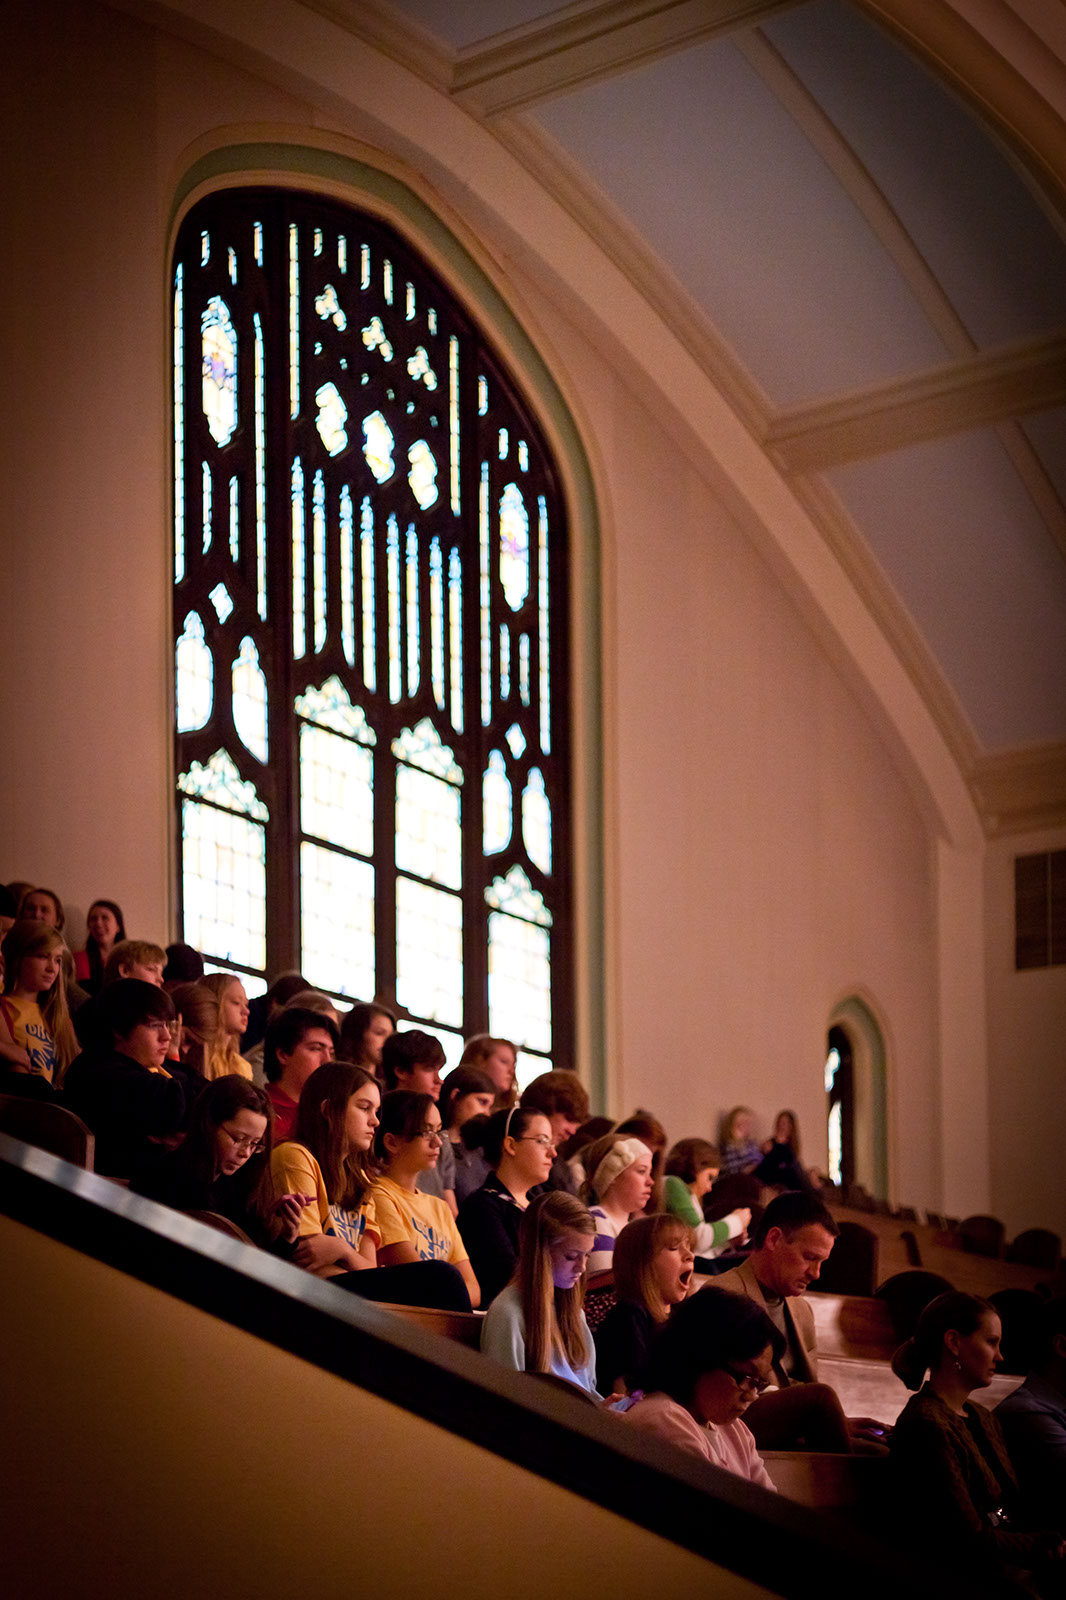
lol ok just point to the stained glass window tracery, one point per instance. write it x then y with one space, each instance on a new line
369 478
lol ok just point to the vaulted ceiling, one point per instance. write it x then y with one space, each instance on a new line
871 275
882 284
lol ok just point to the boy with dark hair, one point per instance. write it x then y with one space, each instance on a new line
413 1060
298 1041
562 1098
120 1087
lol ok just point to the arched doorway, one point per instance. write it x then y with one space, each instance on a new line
856 1098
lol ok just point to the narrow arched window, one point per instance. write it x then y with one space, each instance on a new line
370 615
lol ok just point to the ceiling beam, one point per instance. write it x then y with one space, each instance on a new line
1010 381
589 42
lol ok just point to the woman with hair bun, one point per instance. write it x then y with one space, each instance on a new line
954 1476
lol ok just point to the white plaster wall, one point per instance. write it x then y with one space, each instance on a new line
1027 1043
765 857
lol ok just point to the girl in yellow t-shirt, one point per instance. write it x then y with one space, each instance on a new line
326 1158
414 1226
36 1035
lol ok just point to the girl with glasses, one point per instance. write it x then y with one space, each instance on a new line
537 1323
413 1226
519 1148
223 1165
706 1365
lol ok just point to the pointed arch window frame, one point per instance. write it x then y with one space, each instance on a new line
586 1039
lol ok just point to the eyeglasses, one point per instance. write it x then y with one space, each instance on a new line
431 1133
242 1141
747 1380
536 1138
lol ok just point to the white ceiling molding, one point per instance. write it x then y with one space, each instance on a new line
1021 791
399 38
990 386
586 43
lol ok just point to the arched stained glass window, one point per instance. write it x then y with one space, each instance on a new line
371 621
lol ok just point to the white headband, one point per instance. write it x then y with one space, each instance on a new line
618 1158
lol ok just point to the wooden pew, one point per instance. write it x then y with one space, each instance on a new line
854 1327
463 1326
854 1485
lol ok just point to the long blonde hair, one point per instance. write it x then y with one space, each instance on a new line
553 1317
27 938
224 1055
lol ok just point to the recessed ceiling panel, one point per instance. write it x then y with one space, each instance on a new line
462 22
1046 432
956 532
703 160
971 214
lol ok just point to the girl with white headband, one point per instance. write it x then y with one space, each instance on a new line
617 1186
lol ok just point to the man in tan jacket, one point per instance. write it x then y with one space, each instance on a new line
791 1243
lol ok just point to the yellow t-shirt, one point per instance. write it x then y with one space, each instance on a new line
30 1031
419 1219
226 1064
295 1171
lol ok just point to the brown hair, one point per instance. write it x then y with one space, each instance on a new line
633 1261
689 1157
197 1005
557 1091
320 1120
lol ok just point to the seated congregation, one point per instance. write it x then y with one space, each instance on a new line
664 1283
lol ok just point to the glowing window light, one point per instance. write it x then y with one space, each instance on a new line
364 267
257 243
299 563
429 951
347 519
378 447
418 367
523 668
223 862
260 466
222 601
514 547
234 521
205 248
497 804
537 822
455 636
342 253
329 309
294 320
392 561
179 425
429 836
318 539
423 474
375 338
366 558
218 339
520 960
195 670
250 701
232 265
486 623
336 921
336 789
386 275
414 642
505 661
331 419
453 419
436 621
205 481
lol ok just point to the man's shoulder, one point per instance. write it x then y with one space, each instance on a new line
738 1280
1033 1396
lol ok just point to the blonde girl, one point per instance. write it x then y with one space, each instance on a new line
537 1324
232 1000
36 1034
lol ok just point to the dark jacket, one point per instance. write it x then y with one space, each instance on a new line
952 1475
489 1220
623 1340
125 1105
